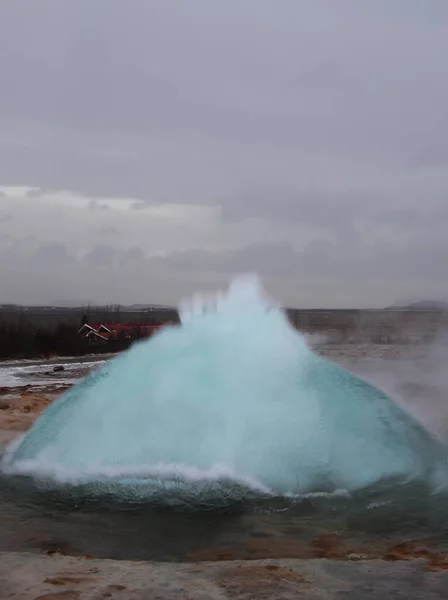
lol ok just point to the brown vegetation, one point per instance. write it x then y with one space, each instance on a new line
27 341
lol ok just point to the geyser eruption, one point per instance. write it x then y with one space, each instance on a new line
233 397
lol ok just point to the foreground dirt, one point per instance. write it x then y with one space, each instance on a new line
20 407
34 577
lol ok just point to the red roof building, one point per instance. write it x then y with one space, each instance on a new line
126 330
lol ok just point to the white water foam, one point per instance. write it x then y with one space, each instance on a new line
234 393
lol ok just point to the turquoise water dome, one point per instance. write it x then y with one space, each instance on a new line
233 394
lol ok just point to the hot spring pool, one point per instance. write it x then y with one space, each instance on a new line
368 524
225 438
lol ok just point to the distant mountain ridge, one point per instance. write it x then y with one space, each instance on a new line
421 305
120 308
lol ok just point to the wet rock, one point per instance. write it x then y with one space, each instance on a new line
58 369
55 547
357 556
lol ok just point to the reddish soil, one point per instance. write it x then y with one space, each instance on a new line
20 407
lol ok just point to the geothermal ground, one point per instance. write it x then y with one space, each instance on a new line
325 565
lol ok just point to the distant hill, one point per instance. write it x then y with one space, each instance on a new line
76 308
123 307
421 305
148 307
70 303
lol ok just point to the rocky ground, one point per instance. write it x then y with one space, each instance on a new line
20 407
34 577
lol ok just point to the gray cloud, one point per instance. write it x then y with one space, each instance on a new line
95 205
132 256
292 90
315 132
387 261
100 256
105 230
139 205
52 253
5 217
105 255
269 259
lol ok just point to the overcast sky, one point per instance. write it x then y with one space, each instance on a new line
151 148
